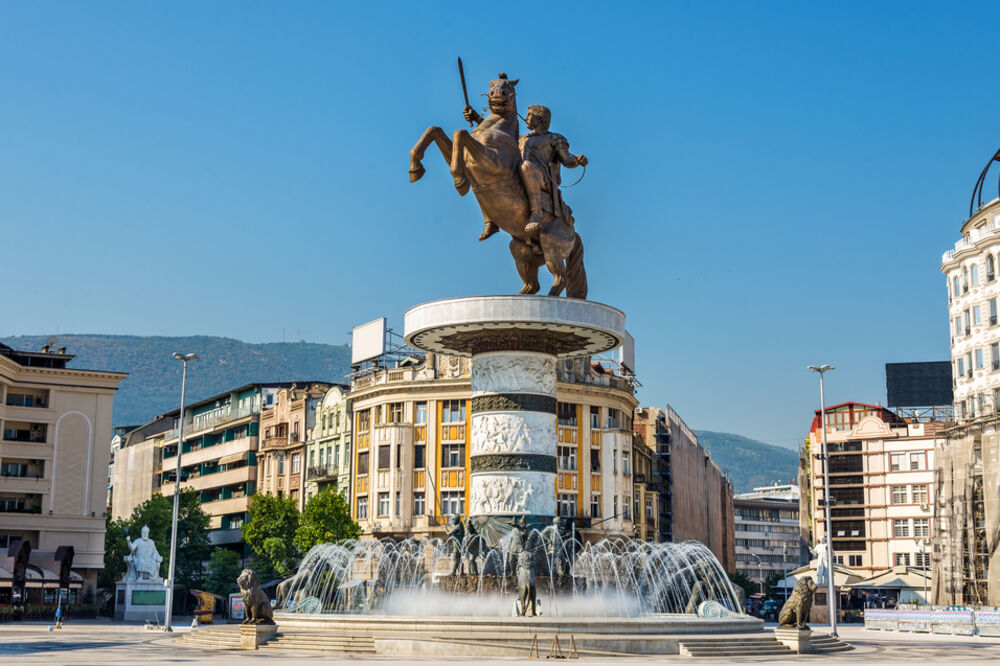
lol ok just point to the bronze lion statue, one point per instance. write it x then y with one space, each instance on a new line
795 612
255 602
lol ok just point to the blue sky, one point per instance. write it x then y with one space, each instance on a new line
771 184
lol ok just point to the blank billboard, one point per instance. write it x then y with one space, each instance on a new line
626 353
368 341
925 384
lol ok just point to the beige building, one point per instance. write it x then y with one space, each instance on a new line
645 491
881 484
967 513
695 497
328 447
286 423
218 458
767 532
56 424
411 448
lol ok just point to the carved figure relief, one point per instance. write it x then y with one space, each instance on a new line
523 432
529 493
514 373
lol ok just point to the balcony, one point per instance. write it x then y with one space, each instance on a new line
282 442
211 422
36 433
320 473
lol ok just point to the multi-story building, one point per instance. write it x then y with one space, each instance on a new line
695 497
328 447
55 423
767 531
218 458
285 423
411 461
881 486
967 513
645 491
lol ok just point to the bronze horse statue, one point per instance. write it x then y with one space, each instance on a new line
487 160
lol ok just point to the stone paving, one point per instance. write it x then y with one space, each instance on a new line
102 642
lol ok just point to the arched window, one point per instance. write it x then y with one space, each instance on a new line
965 278
974 269
990 268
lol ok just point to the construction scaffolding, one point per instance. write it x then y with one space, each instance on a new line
967 515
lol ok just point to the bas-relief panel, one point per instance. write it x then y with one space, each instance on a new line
513 432
530 493
514 373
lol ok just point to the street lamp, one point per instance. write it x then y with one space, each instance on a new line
831 602
922 544
760 572
184 358
784 568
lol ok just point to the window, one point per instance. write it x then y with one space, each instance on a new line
419 452
979 359
614 418
614 506
567 505
900 528
854 560
418 504
453 455
958 326
961 366
363 462
993 311
364 420
977 318
383 504
919 494
899 495
567 414
421 413
395 412
990 268
281 463
955 287
901 559
384 452
614 463
896 459
965 317
595 506
965 279
995 355
397 504
974 274
627 510
362 508
567 458
921 527
595 461
595 417
452 411
453 503
922 560
626 463
295 463
916 461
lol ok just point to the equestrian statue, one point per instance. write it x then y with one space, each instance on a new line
516 182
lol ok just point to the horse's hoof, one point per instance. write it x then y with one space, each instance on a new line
462 185
416 173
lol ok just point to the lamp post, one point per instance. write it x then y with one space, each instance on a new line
784 568
760 572
184 358
922 544
831 601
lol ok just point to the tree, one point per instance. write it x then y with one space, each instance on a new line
193 546
271 529
740 579
223 570
326 519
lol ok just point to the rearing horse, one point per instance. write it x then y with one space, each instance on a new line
487 159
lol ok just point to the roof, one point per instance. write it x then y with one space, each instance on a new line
896 578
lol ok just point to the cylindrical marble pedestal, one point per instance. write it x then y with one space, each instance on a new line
514 342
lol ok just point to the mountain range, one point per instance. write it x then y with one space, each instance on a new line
153 385
748 462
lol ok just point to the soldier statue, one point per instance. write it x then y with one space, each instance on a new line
455 539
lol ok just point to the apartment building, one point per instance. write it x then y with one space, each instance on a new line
328 447
881 486
285 423
767 531
218 458
645 490
55 423
411 464
695 499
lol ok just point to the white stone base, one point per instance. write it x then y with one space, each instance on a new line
141 601
796 639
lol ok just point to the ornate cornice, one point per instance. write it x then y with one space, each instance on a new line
512 462
514 402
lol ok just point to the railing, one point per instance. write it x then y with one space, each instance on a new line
316 473
211 422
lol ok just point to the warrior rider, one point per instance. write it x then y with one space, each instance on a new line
542 152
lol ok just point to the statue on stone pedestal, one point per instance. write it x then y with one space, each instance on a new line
143 562
558 543
516 184
795 612
471 545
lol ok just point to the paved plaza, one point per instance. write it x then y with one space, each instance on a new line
106 643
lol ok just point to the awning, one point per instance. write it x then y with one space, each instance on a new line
236 457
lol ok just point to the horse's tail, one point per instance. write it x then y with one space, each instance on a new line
576 274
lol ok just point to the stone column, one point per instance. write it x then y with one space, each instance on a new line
513 454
